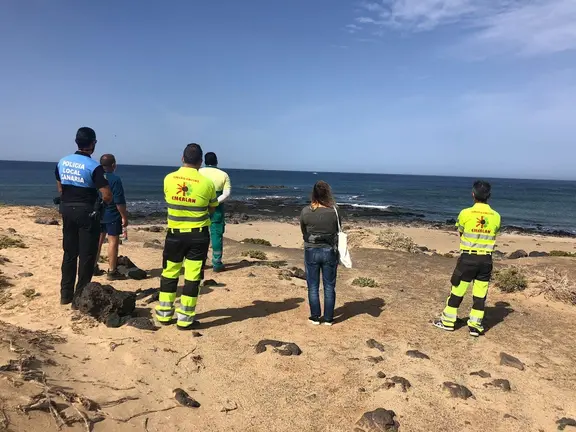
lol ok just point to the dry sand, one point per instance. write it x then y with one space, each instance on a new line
332 383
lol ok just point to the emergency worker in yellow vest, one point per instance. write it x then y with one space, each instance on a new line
221 182
191 199
478 226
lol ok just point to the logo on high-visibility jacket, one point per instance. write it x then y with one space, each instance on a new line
184 189
481 222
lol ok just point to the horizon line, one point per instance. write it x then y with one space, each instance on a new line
334 172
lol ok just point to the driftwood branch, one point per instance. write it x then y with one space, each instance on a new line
95 383
118 402
127 419
185 355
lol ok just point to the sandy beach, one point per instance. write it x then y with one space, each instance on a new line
131 373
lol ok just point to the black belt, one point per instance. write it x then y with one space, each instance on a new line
187 230
77 204
476 253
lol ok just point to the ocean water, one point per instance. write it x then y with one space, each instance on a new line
539 204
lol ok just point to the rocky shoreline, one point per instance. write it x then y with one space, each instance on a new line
280 211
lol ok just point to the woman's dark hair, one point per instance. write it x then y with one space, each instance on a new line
322 194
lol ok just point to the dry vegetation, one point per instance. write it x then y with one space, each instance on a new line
10 242
396 241
257 241
365 282
510 279
557 285
255 254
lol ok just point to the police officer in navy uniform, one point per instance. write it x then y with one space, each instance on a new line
79 179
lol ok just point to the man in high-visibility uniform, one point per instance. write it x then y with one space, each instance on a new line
221 182
190 198
478 226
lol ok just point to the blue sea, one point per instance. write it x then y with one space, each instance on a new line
534 204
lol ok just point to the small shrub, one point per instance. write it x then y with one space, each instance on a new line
102 259
510 279
30 293
558 253
9 242
556 285
257 241
255 254
396 241
448 255
273 264
365 282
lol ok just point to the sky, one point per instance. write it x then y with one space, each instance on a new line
447 87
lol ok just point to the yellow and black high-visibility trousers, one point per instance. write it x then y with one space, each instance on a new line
470 267
188 248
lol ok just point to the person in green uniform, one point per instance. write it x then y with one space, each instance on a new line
221 182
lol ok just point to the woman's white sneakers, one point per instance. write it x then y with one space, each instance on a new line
317 321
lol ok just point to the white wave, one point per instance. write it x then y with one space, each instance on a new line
369 206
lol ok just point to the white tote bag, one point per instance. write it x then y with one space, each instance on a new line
343 251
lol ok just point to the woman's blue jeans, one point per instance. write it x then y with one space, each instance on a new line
325 261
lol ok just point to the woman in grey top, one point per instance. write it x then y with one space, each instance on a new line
319 225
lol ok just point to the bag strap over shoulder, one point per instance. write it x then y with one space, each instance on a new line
338 219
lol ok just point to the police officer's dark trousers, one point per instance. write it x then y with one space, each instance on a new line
191 247
80 243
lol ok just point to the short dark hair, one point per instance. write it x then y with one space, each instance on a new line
482 190
85 137
193 154
211 159
107 160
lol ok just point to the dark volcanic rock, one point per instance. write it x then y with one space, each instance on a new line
498 254
156 229
402 382
535 254
142 323
518 254
565 421
509 416
141 294
46 221
374 344
510 361
481 374
11 230
381 374
504 384
25 275
375 360
104 303
457 390
184 399
129 269
379 420
298 273
417 354
152 245
282 348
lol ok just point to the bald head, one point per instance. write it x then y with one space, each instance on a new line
108 162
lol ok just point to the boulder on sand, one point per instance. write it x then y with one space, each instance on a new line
129 269
105 303
518 254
